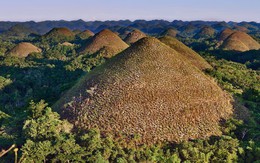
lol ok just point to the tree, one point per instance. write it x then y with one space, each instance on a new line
48 138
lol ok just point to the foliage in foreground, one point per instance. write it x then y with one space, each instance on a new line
48 138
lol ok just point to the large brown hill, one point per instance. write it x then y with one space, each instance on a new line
134 36
240 41
187 53
149 90
23 49
105 41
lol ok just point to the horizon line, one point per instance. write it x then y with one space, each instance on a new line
132 20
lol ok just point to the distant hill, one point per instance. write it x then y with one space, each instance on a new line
241 28
220 26
225 34
188 30
151 27
76 31
105 41
169 32
186 52
148 90
56 32
240 41
134 36
85 34
18 30
23 49
59 35
205 32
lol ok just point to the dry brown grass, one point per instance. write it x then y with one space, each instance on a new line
67 44
23 49
170 32
205 32
188 53
86 34
134 36
150 90
240 41
225 34
240 28
56 32
107 40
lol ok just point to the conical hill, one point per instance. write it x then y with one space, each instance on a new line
134 36
150 90
23 49
106 41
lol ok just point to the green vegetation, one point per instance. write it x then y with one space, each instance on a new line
40 135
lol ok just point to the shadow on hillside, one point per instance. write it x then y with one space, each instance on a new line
47 80
250 58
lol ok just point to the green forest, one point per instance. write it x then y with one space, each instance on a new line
32 131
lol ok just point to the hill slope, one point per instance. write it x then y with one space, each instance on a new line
169 32
106 41
134 36
240 41
23 50
85 34
188 53
205 32
18 30
149 90
225 34
56 32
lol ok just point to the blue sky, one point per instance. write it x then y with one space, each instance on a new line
38 10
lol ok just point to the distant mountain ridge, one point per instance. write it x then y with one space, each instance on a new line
149 27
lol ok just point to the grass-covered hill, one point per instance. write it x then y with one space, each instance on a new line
169 32
134 36
148 90
105 42
23 49
240 41
205 32
85 34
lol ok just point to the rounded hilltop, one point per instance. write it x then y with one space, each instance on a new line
169 32
23 49
240 41
134 36
224 34
205 32
55 32
85 34
105 40
150 90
